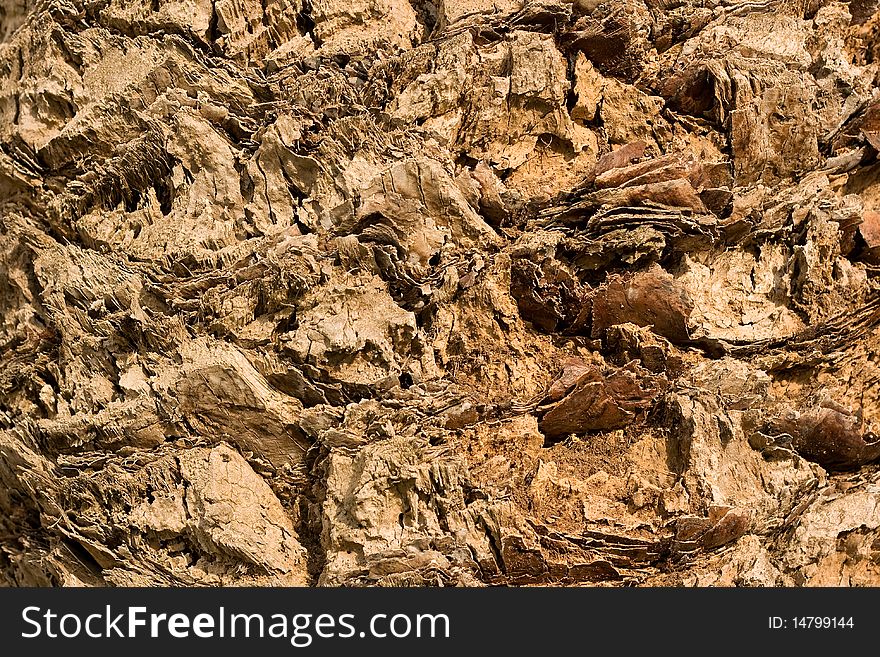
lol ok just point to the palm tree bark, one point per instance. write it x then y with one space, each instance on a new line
414 292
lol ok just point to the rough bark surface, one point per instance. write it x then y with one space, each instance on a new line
402 292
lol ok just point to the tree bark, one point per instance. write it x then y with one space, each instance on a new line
412 292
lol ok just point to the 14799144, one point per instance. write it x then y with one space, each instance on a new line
810 622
